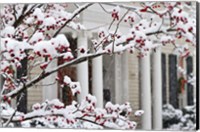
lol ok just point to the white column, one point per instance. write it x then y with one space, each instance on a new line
1 87
118 79
157 90
97 80
194 73
82 68
50 91
121 78
145 92
125 77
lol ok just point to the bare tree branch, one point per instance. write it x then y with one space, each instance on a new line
111 24
131 8
122 6
76 5
94 28
104 9
47 84
160 31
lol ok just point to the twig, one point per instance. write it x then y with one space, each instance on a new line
160 27
121 6
10 119
13 81
111 24
47 84
104 9
14 13
131 8
117 29
36 28
76 5
101 42
94 28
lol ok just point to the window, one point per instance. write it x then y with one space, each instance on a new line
22 107
190 97
1 81
173 81
108 78
164 77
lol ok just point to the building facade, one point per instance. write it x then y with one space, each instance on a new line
147 83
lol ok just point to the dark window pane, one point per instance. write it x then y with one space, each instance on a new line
106 95
22 98
173 82
189 86
1 82
164 92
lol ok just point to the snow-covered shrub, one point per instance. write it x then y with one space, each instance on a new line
179 119
53 114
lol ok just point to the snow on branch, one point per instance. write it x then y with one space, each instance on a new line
55 114
46 73
75 13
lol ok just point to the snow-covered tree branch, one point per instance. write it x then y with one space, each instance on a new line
113 116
